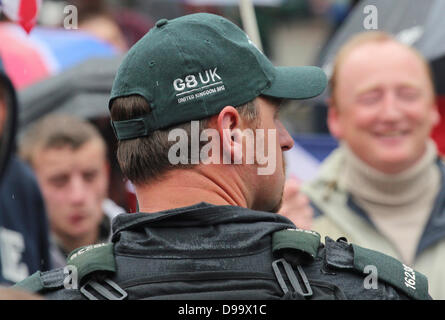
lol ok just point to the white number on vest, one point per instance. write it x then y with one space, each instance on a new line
410 277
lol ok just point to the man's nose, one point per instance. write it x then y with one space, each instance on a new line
78 190
391 108
284 138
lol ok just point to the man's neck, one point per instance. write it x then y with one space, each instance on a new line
185 187
69 243
399 205
372 185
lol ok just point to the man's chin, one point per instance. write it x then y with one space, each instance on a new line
277 207
78 232
269 207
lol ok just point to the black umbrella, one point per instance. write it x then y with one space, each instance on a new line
82 91
416 23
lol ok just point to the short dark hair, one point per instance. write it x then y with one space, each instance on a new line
146 158
57 131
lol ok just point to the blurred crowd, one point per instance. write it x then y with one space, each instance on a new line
381 186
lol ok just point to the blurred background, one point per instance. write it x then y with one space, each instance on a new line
68 65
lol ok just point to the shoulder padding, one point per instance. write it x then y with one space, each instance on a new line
40 281
83 261
92 258
306 242
343 255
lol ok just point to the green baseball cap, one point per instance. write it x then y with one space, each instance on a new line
191 67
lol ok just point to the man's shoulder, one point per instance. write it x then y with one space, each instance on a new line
359 272
352 271
20 182
19 174
376 267
67 282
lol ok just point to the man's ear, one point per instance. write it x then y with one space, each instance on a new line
229 129
334 119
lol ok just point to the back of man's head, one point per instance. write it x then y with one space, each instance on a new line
145 159
189 69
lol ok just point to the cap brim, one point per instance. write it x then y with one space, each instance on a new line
297 83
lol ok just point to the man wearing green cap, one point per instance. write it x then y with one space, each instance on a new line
194 106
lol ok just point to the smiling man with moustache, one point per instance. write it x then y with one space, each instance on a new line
383 188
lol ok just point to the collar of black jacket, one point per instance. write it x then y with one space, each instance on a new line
202 230
196 215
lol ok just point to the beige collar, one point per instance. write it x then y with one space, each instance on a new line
369 184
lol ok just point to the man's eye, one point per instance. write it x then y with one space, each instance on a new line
90 175
370 97
408 93
59 181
